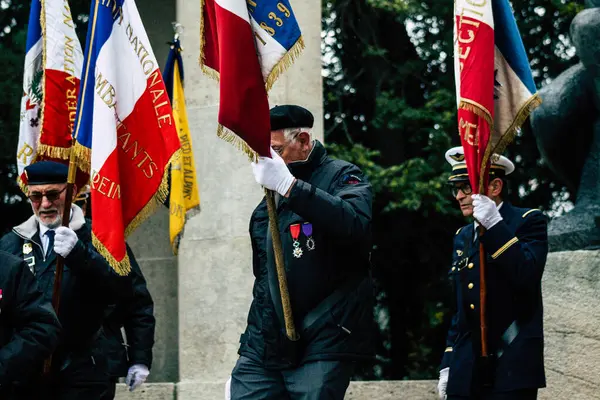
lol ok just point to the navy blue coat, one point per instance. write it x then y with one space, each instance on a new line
516 250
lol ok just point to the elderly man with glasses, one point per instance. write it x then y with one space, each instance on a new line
89 285
516 246
324 211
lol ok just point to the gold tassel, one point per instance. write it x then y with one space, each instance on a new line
238 142
157 200
83 157
477 109
510 134
283 64
62 153
211 73
122 267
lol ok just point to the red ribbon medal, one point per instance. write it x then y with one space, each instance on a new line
295 231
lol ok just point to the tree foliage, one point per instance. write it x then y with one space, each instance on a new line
390 107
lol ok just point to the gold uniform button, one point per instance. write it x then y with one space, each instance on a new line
453 269
472 306
471 265
470 286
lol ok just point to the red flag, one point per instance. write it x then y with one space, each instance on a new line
246 45
474 73
125 130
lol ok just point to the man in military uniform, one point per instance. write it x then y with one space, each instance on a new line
79 366
29 328
324 211
515 243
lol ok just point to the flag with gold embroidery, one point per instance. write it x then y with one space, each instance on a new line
184 200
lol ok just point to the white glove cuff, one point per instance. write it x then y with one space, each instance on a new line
285 184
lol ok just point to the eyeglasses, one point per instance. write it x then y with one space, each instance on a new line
51 195
463 187
279 149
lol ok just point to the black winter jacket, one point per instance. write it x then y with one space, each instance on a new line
29 327
135 314
330 204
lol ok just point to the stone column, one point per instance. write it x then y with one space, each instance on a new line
215 271
150 242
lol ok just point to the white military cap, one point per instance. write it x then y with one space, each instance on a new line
500 167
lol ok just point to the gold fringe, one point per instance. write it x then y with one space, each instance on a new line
238 142
157 200
83 157
510 134
62 153
192 212
283 64
526 110
122 267
477 109
482 174
211 73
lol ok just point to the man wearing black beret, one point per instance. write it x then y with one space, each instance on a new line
324 211
89 285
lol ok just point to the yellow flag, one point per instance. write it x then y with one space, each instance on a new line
184 199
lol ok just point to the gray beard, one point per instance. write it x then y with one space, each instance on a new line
53 225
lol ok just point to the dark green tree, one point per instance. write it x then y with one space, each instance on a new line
390 107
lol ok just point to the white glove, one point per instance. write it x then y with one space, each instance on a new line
443 383
136 375
485 211
64 241
273 174
228 389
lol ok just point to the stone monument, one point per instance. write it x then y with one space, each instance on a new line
567 130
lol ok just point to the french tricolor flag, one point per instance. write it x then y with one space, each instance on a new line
52 73
495 91
125 131
247 44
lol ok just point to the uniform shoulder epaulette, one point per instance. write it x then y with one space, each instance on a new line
458 231
530 211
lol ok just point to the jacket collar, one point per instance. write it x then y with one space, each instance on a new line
29 228
304 169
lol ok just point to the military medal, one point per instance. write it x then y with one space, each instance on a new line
307 230
295 231
27 248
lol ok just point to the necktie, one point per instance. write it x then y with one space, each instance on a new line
50 233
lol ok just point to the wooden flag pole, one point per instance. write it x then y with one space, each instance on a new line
60 261
482 295
290 327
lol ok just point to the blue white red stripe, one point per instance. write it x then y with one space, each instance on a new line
125 132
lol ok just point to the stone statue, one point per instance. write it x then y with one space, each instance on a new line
567 131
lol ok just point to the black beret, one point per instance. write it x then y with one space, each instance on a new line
290 116
46 172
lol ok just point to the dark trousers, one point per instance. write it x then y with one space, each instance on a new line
525 394
84 376
319 380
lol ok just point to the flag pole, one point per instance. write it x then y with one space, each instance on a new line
66 217
486 363
290 327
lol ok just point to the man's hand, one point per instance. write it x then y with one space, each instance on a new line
64 241
273 174
443 383
137 374
485 211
